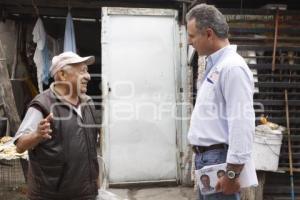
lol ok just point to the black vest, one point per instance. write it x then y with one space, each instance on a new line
66 166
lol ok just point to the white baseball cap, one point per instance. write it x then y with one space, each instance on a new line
68 58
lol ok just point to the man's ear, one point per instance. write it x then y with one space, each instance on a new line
210 33
61 75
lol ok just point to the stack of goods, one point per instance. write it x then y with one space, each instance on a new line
8 149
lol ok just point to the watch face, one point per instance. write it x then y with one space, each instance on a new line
231 174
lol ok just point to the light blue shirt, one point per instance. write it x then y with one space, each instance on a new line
224 112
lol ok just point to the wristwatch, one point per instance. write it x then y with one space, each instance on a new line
232 174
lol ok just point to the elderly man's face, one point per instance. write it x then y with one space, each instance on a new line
79 77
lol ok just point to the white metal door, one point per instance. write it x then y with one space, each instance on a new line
139 61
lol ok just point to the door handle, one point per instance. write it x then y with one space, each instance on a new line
108 87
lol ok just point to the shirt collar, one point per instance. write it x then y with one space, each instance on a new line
213 58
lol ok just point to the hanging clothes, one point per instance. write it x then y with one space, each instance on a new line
41 58
69 41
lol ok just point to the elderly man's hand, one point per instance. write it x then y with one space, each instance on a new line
44 129
228 186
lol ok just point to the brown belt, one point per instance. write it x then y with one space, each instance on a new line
202 149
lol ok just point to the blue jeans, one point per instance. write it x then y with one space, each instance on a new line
212 157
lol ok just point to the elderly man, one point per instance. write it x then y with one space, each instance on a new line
223 119
60 134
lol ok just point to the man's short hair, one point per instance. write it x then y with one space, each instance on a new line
204 175
220 171
208 16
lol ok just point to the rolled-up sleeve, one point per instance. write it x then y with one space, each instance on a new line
29 123
238 94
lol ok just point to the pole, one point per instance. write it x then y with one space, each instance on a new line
275 40
289 145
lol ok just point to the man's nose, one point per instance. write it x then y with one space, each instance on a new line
87 76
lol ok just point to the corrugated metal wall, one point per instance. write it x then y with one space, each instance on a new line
254 31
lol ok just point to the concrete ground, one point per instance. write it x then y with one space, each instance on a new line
161 193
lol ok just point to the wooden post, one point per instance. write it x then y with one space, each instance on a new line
259 190
6 94
248 194
255 193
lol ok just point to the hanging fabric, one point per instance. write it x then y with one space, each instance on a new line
41 57
69 41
